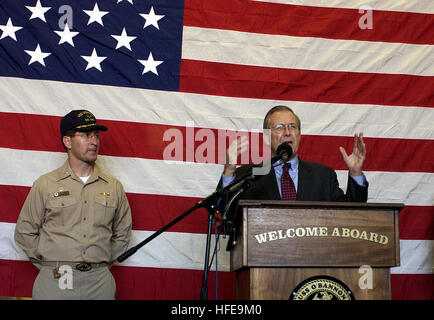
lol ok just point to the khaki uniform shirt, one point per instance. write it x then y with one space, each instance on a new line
64 219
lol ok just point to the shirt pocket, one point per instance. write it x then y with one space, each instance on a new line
59 209
105 209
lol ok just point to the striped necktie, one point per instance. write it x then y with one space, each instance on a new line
287 185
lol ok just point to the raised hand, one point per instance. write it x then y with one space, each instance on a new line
356 159
238 146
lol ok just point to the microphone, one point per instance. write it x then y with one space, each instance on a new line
284 152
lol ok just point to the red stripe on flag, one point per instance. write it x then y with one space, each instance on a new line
398 155
164 284
224 79
11 201
412 286
16 278
416 222
151 212
305 21
383 154
131 282
150 283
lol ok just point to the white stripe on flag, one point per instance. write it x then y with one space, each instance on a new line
173 250
199 180
176 250
179 250
417 256
306 53
419 6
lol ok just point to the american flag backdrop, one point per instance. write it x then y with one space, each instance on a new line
143 67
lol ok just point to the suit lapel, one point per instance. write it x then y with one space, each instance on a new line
269 186
303 181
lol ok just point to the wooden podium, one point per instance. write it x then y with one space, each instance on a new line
281 244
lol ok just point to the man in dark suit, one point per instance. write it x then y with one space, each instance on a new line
312 181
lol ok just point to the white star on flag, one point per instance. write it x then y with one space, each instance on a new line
38 11
150 64
93 61
95 15
9 30
66 35
37 55
130 1
123 40
151 18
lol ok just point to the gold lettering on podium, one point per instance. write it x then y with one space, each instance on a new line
321 231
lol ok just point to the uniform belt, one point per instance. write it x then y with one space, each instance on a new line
81 266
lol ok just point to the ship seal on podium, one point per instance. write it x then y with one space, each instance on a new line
321 288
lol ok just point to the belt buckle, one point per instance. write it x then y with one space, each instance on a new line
83 266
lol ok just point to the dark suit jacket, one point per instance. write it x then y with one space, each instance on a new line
316 182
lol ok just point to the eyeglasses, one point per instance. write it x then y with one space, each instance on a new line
88 136
280 127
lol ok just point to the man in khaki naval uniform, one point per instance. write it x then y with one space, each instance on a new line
76 220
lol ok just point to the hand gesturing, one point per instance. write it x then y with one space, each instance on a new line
356 159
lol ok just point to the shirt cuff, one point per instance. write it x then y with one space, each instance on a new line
360 180
226 180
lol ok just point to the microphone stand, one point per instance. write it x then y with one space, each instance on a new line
284 152
208 203
239 184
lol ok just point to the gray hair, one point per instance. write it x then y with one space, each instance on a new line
276 109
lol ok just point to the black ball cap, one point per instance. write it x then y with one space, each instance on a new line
80 120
